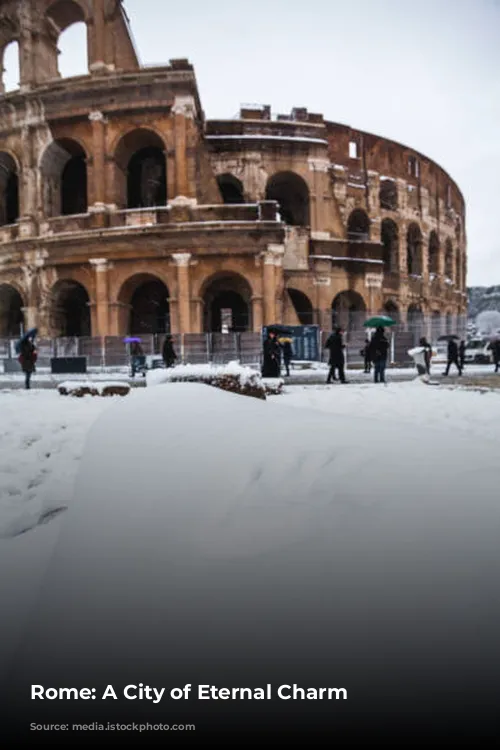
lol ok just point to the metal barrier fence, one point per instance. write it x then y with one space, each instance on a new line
220 348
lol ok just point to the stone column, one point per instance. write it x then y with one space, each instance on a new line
257 319
184 109
182 261
98 160
271 273
97 39
101 296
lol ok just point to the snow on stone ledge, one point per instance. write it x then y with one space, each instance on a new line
230 377
90 388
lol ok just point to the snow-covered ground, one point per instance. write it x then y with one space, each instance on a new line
333 516
43 437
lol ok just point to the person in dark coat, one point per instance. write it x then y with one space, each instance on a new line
452 357
494 347
168 354
27 360
379 349
461 354
137 357
365 353
427 354
271 365
336 346
287 354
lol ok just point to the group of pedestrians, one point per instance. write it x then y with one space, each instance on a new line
138 358
276 350
376 351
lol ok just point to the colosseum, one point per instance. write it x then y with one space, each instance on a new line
123 210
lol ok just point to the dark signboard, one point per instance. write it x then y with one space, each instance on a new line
305 341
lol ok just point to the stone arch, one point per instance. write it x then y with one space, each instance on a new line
448 259
9 189
10 73
145 305
70 309
388 195
63 169
389 236
227 303
414 250
348 310
11 310
302 306
434 250
231 189
415 320
141 169
64 15
291 193
358 226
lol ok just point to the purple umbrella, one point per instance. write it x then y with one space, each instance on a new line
132 340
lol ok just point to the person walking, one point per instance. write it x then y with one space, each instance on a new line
379 349
494 347
27 360
365 353
287 354
137 357
271 365
168 353
461 354
452 357
336 346
427 354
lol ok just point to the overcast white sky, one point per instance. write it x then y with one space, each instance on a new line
424 73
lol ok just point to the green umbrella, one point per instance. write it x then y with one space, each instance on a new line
379 321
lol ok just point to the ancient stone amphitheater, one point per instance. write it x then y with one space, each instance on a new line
124 211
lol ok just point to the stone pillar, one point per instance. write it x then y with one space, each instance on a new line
182 261
101 296
98 160
30 317
184 109
271 274
257 319
97 39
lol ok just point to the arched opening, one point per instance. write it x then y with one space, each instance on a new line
389 235
227 304
448 260
348 311
433 253
147 298
9 190
231 189
415 320
302 306
142 170
70 313
64 174
10 68
435 325
388 195
292 194
11 311
68 19
392 310
358 226
414 250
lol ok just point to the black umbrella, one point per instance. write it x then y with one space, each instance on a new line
448 337
28 335
279 329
